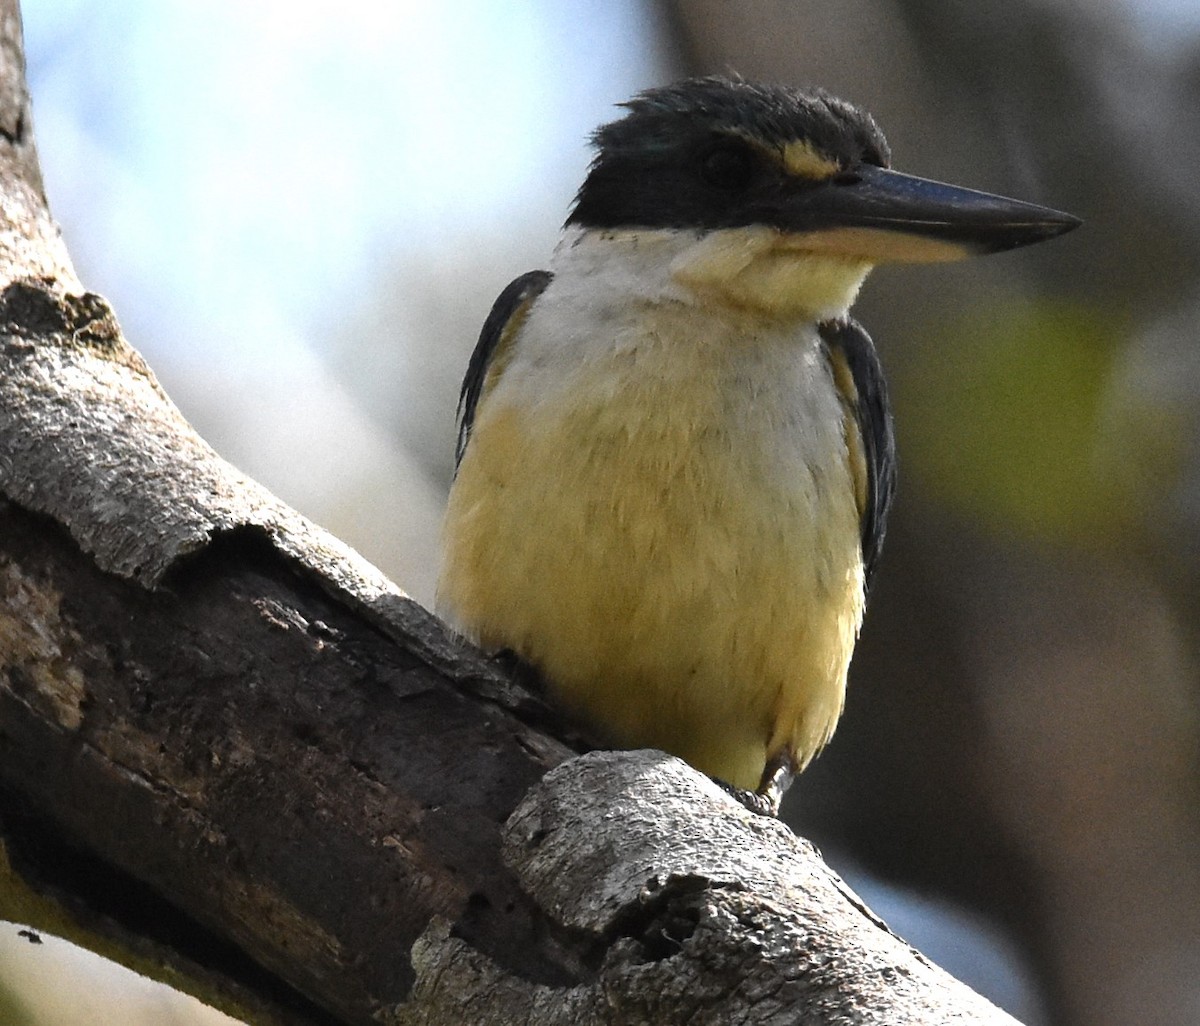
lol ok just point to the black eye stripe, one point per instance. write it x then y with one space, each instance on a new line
728 165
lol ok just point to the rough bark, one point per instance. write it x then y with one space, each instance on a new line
234 756
712 916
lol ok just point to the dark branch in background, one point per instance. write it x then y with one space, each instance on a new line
233 755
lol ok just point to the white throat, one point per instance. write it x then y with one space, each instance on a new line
752 271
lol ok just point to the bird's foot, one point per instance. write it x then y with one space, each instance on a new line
776 779
759 804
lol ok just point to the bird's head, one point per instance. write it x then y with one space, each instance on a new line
782 198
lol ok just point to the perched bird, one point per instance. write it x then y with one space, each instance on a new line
675 450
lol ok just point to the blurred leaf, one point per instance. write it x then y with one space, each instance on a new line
999 417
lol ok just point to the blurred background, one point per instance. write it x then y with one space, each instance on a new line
302 213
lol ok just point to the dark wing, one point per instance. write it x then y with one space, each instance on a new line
509 310
858 375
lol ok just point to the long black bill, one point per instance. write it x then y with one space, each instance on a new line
885 216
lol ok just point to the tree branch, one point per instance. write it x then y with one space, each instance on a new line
234 756
695 911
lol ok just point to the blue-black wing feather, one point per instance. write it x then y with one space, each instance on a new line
873 414
515 298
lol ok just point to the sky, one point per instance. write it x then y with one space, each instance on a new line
274 153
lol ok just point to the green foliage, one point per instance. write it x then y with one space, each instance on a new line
1000 417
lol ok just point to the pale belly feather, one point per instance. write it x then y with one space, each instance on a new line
674 543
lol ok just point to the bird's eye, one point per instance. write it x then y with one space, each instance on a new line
727 166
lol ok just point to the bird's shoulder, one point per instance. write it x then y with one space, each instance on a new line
858 375
507 314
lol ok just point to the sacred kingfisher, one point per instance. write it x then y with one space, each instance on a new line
675 449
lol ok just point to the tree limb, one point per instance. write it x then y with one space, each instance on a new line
695 911
233 755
